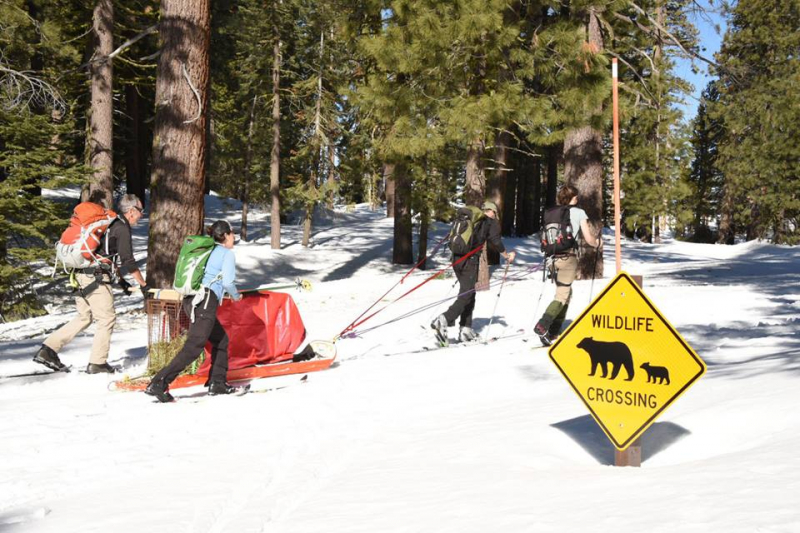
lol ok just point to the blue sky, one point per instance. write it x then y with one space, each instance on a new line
710 40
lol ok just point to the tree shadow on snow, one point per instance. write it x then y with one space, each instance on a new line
780 350
585 431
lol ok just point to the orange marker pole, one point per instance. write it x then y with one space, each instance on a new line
615 100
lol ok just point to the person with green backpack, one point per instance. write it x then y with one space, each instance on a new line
472 228
205 272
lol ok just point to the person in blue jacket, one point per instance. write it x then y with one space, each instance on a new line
218 280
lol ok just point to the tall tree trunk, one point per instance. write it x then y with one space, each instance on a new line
497 185
275 155
402 252
209 137
331 175
510 195
522 192
314 178
308 217
389 188
179 139
422 245
474 192
134 163
102 114
37 65
583 168
311 188
533 197
727 233
248 161
552 178
475 188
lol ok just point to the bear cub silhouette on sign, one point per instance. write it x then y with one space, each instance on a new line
654 373
602 353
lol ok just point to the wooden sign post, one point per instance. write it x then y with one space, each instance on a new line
632 455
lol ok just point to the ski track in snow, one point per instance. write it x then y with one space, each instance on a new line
395 439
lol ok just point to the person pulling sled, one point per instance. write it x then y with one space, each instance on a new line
473 227
206 270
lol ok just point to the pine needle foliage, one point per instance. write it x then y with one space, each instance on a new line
759 155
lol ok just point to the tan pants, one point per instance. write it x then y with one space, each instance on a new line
566 272
98 306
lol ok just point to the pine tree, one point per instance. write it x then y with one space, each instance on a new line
759 155
705 177
101 129
37 136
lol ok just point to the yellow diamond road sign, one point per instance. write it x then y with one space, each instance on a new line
625 361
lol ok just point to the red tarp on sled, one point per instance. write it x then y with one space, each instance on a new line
263 327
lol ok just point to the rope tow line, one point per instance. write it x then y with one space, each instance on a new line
353 323
358 321
521 276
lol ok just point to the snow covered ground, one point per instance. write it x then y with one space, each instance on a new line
480 438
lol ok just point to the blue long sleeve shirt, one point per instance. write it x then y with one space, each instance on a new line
222 261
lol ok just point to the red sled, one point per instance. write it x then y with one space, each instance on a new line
264 333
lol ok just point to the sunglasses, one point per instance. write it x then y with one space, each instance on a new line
138 209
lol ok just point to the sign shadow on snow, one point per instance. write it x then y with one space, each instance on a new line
585 431
19 518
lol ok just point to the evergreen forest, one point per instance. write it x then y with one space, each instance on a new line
410 106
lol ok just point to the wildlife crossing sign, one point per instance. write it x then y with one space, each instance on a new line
625 361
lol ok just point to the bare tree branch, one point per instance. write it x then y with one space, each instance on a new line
121 48
21 89
196 95
672 38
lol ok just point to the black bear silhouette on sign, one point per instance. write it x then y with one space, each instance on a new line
654 373
603 353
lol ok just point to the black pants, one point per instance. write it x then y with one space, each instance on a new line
205 328
467 275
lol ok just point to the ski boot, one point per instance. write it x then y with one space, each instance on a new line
543 334
467 334
439 326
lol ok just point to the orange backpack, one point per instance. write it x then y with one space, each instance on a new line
79 241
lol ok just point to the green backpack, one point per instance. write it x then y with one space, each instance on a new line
191 264
462 229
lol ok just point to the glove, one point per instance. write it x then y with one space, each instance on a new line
125 286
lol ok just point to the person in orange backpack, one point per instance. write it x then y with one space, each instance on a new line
95 301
